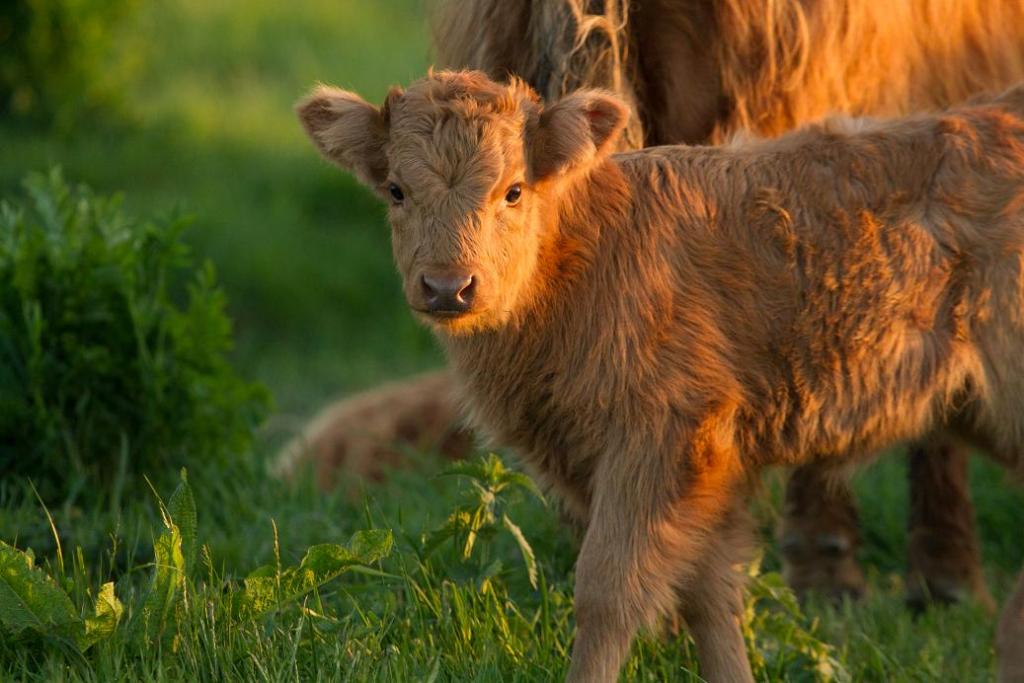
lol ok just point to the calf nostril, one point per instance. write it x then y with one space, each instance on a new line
468 290
428 290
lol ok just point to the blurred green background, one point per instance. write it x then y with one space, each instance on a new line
187 105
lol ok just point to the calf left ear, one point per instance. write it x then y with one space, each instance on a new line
348 131
575 133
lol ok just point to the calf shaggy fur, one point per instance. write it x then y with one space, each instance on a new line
651 329
698 71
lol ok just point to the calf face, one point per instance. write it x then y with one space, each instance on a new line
470 170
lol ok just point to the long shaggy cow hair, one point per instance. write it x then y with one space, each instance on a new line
753 66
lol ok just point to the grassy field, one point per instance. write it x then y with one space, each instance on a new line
302 251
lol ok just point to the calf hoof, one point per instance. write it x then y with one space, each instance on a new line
825 565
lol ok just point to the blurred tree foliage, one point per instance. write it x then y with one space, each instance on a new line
105 375
55 56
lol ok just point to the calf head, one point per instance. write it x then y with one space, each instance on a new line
472 171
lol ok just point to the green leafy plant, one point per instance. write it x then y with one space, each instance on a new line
103 373
174 554
270 587
483 513
782 643
30 600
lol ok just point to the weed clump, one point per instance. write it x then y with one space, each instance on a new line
107 370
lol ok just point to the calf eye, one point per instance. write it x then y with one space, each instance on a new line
513 194
396 193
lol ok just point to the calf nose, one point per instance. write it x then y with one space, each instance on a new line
449 292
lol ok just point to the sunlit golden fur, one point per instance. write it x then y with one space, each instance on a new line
706 69
911 54
679 318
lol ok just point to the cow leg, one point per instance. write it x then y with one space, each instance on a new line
640 543
944 558
819 535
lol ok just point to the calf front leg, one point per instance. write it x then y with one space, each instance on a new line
645 540
711 602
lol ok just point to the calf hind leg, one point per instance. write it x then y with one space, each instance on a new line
819 534
943 553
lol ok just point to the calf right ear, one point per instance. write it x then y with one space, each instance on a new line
348 131
575 133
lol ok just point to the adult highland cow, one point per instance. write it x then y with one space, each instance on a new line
703 71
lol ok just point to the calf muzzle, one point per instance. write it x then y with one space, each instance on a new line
448 294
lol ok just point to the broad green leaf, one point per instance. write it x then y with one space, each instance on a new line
483 469
489 474
182 508
265 571
520 480
772 609
30 599
168 580
371 545
266 590
260 595
524 547
106 615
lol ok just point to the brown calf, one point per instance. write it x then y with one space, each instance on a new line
699 71
651 329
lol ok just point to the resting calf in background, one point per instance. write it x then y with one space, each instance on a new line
649 330
700 71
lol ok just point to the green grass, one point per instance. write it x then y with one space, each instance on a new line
303 253
419 615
